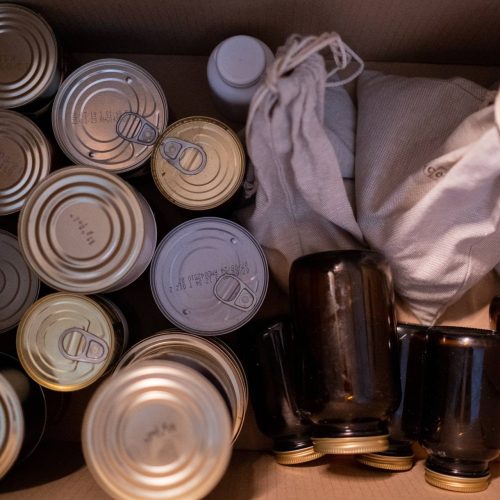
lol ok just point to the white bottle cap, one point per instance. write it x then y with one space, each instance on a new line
241 60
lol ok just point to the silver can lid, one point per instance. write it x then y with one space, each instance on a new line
157 430
25 158
65 341
109 114
213 354
209 276
82 229
11 426
28 56
19 285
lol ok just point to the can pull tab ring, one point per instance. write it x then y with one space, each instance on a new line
133 127
86 346
230 290
174 150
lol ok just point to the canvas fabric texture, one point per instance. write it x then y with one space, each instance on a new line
428 184
300 138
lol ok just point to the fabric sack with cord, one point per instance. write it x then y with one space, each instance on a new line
428 184
301 203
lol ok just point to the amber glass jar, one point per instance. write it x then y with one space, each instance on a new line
346 367
268 365
404 424
461 407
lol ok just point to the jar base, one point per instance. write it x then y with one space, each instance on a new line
387 462
351 445
457 483
300 456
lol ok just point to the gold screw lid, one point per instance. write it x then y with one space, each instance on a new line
84 230
387 462
157 430
299 456
213 354
24 159
351 445
28 56
198 163
457 483
65 342
11 426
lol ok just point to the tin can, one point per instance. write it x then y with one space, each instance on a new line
19 285
30 61
109 114
25 159
157 430
212 358
198 163
85 230
65 341
23 414
209 276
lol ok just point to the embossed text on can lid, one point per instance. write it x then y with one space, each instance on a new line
198 163
82 229
213 354
19 285
108 114
11 426
157 430
209 276
65 341
28 56
25 158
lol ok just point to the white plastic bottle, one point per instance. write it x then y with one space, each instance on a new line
235 70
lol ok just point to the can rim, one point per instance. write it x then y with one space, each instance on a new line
186 327
155 163
100 284
33 372
232 366
43 168
10 406
62 94
29 97
106 453
33 275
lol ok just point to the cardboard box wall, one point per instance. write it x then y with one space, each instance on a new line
172 39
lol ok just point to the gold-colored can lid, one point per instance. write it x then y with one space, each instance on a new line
198 163
457 483
387 462
85 230
25 158
213 354
157 430
66 341
29 56
294 457
11 426
351 445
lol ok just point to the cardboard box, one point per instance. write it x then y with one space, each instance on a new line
172 40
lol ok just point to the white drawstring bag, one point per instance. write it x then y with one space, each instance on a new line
428 184
301 204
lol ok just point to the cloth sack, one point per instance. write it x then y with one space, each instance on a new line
300 137
428 184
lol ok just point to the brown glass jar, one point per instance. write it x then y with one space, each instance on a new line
268 366
495 313
461 407
404 424
346 366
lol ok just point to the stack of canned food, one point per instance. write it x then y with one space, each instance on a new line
336 377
